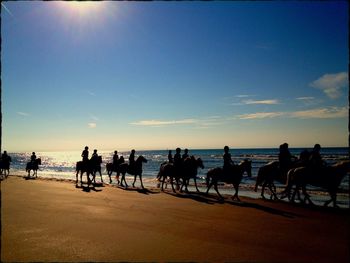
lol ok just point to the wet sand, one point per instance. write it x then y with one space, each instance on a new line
49 220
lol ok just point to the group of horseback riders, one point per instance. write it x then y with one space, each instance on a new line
5 163
311 160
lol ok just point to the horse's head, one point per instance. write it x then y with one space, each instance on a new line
141 159
200 163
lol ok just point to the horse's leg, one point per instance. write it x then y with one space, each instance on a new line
263 190
208 188
195 183
217 191
235 196
172 183
100 175
141 182
76 177
133 184
273 191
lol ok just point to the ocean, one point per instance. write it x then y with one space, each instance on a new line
61 165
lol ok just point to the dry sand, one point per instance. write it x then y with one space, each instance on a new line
47 220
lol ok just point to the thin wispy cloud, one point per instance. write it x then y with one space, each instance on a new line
260 115
93 117
305 98
332 84
91 93
264 102
163 123
92 125
23 113
319 113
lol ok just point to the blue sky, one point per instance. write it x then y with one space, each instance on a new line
158 75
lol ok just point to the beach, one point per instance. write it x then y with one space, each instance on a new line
53 220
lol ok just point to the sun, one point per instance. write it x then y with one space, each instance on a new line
82 8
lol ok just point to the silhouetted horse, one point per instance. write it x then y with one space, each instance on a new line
5 166
167 170
96 167
33 166
328 178
114 168
189 170
135 170
234 177
84 167
267 174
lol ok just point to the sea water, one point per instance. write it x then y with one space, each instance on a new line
61 165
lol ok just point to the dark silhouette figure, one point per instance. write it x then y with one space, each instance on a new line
234 177
96 161
131 166
114 167
170 157
285 159
5 164
185 155
136 170
33 165
228 163
189 171
329 178
85 154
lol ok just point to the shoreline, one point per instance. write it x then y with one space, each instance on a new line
48 220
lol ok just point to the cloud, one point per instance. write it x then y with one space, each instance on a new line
23 113
265 102
260 115
331 84
305 98
319 113
163 123
92 125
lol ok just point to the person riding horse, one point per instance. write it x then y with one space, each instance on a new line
131 167
85 155
285 159
228 162
115 161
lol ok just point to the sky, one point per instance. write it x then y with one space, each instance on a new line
161 75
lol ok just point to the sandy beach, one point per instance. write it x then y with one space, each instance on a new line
50 220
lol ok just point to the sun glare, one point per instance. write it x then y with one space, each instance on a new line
82 8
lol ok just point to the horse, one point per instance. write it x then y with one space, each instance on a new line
189 170
5 166
84 167
168 170
110 167
328 178
96 167
267 174
135 170
33 166
234 177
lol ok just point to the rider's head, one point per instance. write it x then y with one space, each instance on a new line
317 147
226 149
186 150
115 152
132 151
178 150
86 148
33 153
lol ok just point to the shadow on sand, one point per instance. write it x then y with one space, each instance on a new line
88 188
139 190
